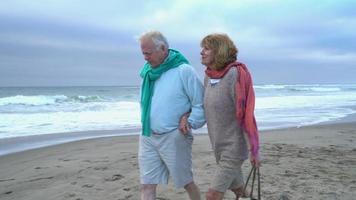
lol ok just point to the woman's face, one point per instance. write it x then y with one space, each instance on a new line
207 57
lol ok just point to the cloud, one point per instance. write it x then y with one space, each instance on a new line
98 37
54 34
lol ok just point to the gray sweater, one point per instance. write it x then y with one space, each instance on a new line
226 135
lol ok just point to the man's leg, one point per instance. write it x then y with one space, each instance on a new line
148 191
152 169
214 195
193 191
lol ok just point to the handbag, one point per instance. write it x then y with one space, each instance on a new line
253 173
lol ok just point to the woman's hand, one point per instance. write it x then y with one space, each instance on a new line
255 161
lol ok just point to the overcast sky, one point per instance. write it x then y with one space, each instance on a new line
94 42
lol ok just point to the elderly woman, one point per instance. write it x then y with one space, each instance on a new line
229 108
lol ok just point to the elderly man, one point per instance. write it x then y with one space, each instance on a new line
171 104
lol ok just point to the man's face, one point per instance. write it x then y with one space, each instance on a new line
151 54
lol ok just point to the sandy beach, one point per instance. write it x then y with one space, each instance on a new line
315 162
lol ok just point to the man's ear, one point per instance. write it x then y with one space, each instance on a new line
163 48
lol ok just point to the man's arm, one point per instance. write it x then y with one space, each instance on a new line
194 90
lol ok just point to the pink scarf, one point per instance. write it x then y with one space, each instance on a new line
245 104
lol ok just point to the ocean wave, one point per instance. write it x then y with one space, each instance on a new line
303 101
306 87
316 89
81 99
47 100
269 87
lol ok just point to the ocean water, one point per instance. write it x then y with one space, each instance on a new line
29 111
26 111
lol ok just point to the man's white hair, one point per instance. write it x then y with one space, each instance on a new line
157 38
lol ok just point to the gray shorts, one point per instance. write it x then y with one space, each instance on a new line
161 156
228 175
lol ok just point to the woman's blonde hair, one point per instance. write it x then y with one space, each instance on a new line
223 48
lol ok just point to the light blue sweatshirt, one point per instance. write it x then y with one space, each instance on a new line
176 92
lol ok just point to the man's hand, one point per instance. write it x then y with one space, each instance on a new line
184 125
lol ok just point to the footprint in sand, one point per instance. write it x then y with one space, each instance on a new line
126 197
289 173
64 159
70 195
41 167
101 168
115 177
4 180
87 186
39 179
8 192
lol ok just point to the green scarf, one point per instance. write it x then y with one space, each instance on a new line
150 75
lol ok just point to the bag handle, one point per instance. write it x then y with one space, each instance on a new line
254 170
